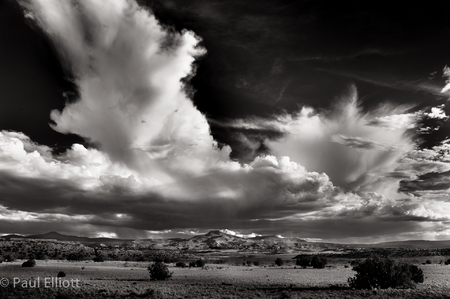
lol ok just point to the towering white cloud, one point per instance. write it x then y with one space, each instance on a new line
128 70
346 144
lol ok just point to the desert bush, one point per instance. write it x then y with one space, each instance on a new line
169 260
75 256
61 274
416 274
200 263
29 263
447 262
9 258
159 271
428 262
256 263
303 261
99 258
279 262
318 262
384 272
181 265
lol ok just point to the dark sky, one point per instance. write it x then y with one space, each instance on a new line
352 90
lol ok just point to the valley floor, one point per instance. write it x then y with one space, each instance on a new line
131 280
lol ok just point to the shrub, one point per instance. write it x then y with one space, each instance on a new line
61 274
384 272
99 259
159 271
75 256
256 263
279 262
428 262
9 258
447 262
181 265
303 261
416 274
318 262
29 263
200 263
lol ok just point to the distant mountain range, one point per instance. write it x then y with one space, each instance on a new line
227 240
61 237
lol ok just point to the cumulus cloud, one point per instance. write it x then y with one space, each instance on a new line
89 168
362 152
128 70
437 113
332 143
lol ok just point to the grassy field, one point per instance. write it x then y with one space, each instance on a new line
131 280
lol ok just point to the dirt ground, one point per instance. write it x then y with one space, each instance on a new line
132 280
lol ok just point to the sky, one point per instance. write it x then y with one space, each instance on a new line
323 120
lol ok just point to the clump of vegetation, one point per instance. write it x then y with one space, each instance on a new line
181 265
198 263
75 256
61 274
159 271
29 263
166 259
384 272
98 258
447 262
318 262
428 262
9 258
303 261
256 263
279 262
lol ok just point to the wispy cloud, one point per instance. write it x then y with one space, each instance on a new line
394 83
446 74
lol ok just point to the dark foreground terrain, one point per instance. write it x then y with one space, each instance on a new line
131 280
235 268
